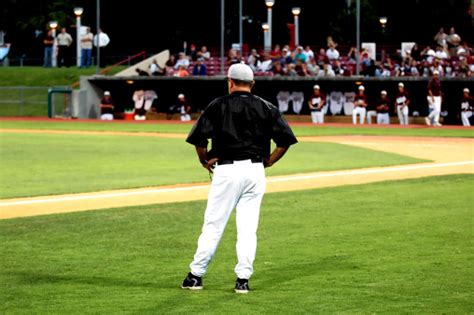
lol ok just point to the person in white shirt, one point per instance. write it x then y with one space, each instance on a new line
441 53
309 53
86 48
64 41
332 53
204 53
101 40
182 61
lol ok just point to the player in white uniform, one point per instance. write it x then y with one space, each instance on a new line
467 106
402 101
360 104
241 126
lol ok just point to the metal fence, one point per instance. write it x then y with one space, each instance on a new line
24 101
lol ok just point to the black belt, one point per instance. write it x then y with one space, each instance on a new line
253 160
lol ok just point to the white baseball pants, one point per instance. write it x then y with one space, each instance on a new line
240 185
370 114
436 105
358 111
402 112
107 117
383 119
465 118
317 117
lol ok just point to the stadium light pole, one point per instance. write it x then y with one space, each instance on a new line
222 37
296 12
241 27
53 25
97 21
266 28
269 4
78 12
358 37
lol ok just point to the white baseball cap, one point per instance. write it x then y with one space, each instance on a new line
241 72
107 93
401 84
383 92
466 90
316 87
181 95
361 88
436 72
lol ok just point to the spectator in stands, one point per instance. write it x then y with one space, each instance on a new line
434 100
169 66
312 66
464 51
352 54
182 61
276 52
309 53
286 56
278 69
64 42
441 53
338 70
200 68
291 72
184 108
464 70
101 40
182 72
326 71
193 52
441 38
141 72
155 69
203 53
332 53
322 58
382 71
402 101
301 68
415 52
437 67
106 107
266 64
254 60
48 42
299 55
383 109
467 106
360 104
414 68
233 57
453 41
316 104
86 48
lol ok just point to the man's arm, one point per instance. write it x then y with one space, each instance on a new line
202 155
275 156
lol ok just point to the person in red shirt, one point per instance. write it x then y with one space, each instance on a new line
402 101
316 104
107 107
434 100
360 104
383 109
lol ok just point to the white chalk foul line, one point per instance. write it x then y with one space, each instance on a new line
270 180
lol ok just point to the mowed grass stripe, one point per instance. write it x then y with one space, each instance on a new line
47 164
185 128
392 247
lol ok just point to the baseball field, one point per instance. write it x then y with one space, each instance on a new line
104 218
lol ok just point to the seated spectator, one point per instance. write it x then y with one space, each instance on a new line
299 55
312 66
155 69
437 67
309 53
382 71
266 64
415 52
169 66
322 58
193 53
286 56
233 57
141 72
291 72
301 68
276 52
182 72
351 55
106 107
428 54
464 51
203 53
326 71
338 70
278 69
182 61
464 70
414 69
254 60
441 53
200 67
332 53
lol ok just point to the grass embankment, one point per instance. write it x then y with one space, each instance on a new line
393 247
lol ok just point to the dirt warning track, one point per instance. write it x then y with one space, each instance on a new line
448 156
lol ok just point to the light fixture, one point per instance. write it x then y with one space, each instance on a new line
296 11
265 27
383 20
53 24
78 11
269 3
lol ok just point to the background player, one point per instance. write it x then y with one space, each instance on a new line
402 101
316 104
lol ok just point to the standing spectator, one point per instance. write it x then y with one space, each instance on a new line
415 52
64 42
107 107
402 101
316 104
383 109
86 48
360 103
184 108
48 43
200 67
467 106
101 40
182 61
441 37
332 53
434 100
453 41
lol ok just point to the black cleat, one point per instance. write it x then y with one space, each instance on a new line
192 282
242 286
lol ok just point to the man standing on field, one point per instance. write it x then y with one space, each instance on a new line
241 126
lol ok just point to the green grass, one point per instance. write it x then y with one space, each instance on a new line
39 76
392 247
185 128
44 164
